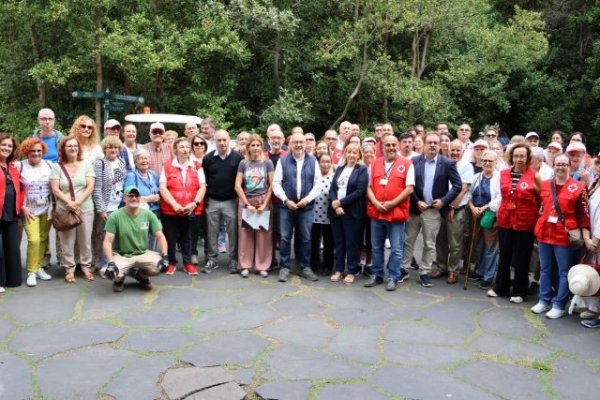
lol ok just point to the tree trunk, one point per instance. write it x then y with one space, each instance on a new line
38 55
276 55
99 72
363 72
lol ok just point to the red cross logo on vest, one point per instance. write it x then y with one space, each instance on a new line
572 188
401 169
523 185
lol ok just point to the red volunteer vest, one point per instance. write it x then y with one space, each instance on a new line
183 192
518 209
15 177
395 185
568 196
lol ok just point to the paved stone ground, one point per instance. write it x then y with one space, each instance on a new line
295 340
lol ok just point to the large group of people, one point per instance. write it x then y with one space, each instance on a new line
505 212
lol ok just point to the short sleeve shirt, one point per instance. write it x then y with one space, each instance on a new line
84 171
36 181
131 232
255 173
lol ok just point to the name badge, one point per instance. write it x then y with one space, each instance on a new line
553 219
383 182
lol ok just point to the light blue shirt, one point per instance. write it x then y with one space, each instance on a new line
428 180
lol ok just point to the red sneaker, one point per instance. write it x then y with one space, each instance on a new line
191 269
170 269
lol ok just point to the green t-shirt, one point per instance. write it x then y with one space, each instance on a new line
131 233
84 171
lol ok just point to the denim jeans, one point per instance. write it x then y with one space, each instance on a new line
555 262
395 231
298 222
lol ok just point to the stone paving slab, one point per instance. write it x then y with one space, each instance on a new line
577 344
509 321
359 344
158 340
416 383
228 391
350 392
33 306
414 332
303 331
245 318
186 298
567 325
80 374
264 292
181 382
228 348
369 317
456 314
156 318
38 342
5 329
572 380
104 305
140 379
289 390
350 297
510 348
294 362
524 382
297 305
15 378
425 355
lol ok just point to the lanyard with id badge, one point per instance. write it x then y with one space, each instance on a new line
384 181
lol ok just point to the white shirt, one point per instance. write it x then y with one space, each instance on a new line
176 164
465 170
278 179
594 206
36 181
342 182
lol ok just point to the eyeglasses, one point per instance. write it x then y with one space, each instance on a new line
491 135
72 146
46 119
35 151
561 165
133 195
112 147
310 139
84 126
199 144
464 130
487 161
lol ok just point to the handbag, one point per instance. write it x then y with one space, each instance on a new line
575 235
63 220
488 218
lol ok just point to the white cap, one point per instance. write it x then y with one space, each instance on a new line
111 123
555 145
157 126
531 134
481 143
576 146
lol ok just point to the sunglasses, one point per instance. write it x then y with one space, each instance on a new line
157 132
199 144
35 151
84 126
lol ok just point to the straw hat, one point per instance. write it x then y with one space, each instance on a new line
583 280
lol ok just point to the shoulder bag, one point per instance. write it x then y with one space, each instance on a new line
575 235
63 220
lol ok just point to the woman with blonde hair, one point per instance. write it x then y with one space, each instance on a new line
85 130
254 187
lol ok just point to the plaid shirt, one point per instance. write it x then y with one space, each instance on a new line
158 157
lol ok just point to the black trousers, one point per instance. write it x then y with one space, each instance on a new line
199 231
11 272
316 232
515 249
178 230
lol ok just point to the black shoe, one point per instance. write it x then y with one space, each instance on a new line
233 268
145 284
425 280
475 278
533 289
373 281
404 275
368 271
485 285
414 265
119 286
391 285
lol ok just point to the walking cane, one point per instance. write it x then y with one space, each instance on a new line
475 221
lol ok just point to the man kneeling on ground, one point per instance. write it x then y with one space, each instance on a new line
126 244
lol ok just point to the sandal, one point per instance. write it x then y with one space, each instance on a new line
336 277
70 278
349 279
88 276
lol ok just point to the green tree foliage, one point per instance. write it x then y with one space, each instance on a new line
529 65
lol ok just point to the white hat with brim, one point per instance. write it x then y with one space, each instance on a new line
583 280
575 146
554 145
481 143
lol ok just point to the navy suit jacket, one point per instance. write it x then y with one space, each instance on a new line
446 174
354 203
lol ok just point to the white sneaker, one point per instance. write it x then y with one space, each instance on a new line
194 259
244 273
2 290
587 314
555 313
540 307
516 299
491 293
31 281
43 275
264 274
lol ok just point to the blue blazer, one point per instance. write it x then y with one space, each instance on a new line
446 182
354 203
